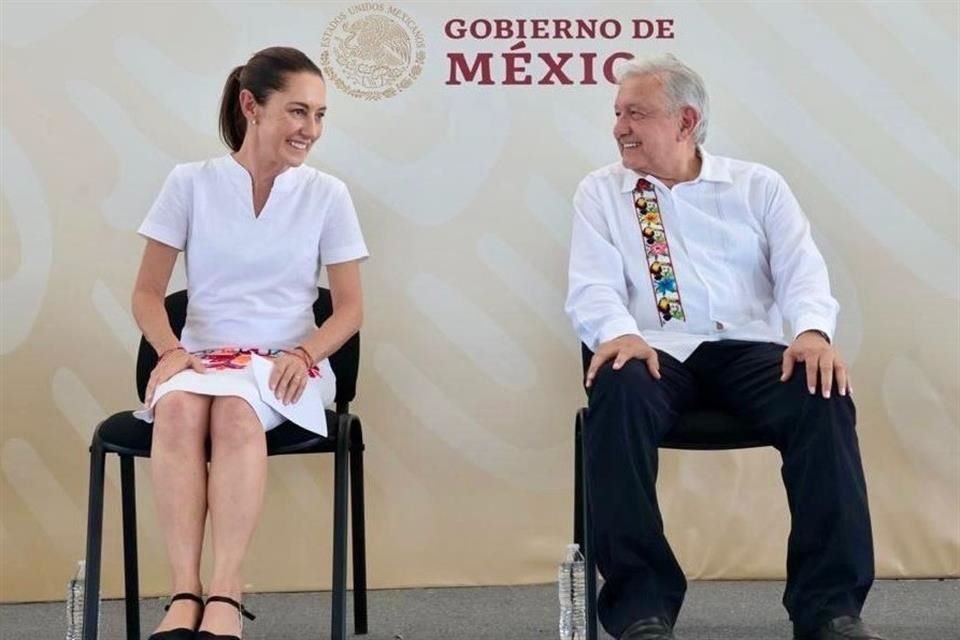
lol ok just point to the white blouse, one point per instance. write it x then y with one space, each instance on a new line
252 280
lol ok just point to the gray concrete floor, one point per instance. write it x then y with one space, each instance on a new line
903 610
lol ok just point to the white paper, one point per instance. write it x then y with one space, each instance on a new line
308 412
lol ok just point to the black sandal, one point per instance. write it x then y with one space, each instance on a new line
180 633
241 611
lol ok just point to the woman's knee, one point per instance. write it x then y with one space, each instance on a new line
183 414
233 420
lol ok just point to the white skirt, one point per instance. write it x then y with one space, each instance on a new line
245 373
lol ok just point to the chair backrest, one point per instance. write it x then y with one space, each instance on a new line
345 362
710 429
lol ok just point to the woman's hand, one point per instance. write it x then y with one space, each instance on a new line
171 363
289 377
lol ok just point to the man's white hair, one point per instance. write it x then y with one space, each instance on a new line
682 85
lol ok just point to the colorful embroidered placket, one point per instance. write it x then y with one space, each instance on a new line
666 291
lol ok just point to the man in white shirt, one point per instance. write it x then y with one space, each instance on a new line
683 268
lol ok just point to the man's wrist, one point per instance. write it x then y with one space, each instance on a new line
822 334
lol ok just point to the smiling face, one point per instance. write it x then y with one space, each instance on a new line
652 135
289 121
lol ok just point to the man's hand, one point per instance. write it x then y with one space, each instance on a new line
819 356
620 350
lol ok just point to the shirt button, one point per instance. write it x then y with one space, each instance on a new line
719 325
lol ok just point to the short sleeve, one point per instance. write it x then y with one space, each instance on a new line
167 220
340 237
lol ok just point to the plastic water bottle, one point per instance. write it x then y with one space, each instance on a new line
572 591
76 590
75 603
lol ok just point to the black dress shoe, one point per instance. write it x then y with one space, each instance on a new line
842 628
180 633
241 611
648 629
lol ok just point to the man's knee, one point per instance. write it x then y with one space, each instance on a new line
836 412
633 375
799 390
623 401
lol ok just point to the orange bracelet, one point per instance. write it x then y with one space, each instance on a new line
169 351
301 354
305 355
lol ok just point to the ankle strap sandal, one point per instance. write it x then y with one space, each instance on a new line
241 611
180 633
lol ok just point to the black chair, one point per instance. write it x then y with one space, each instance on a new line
697 430
130 438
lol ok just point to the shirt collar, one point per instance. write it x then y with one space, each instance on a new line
711 170
238 173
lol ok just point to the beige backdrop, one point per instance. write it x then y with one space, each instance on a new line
470 373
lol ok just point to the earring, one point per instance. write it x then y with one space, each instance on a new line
255 121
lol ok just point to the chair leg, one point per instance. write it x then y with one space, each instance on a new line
91 600
131 578
358 528
578 480
589 564
338 618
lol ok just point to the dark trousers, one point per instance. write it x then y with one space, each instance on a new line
830 549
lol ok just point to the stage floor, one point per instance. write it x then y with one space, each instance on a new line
902 610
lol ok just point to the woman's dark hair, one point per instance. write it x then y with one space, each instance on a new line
263 74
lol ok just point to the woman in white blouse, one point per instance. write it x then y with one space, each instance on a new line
256 227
